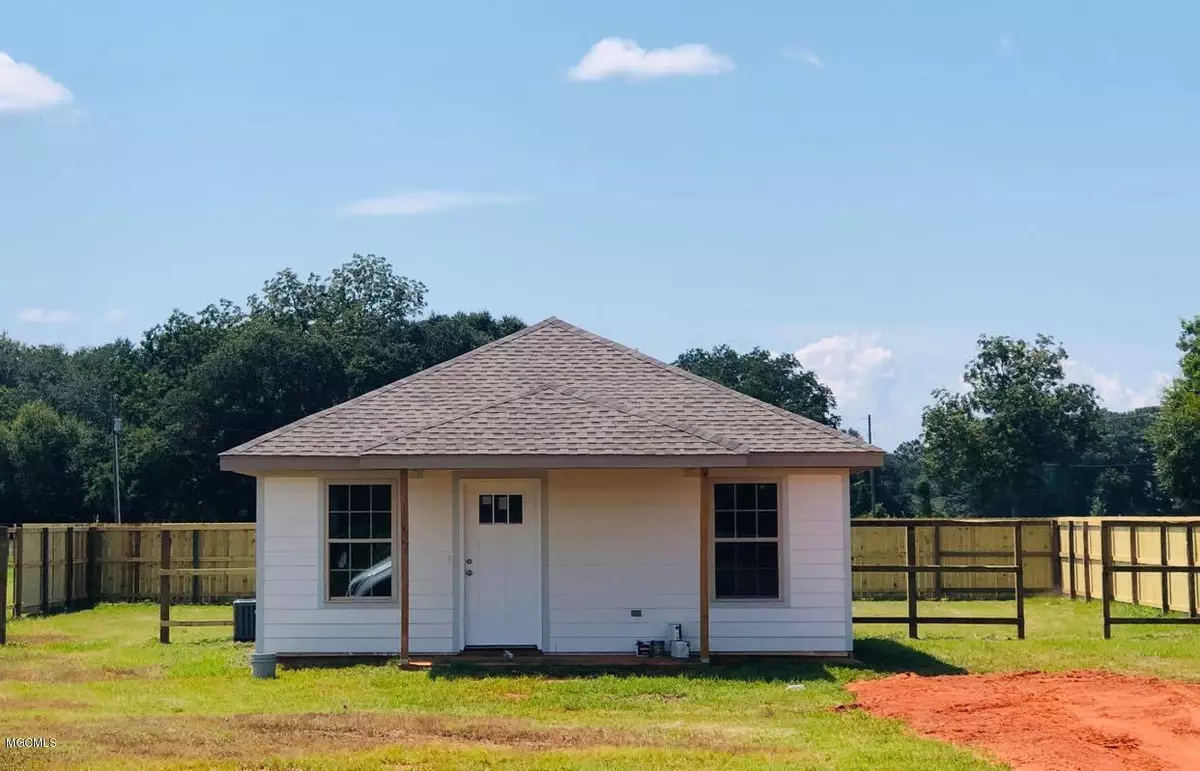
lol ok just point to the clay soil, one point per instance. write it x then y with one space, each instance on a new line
1035 721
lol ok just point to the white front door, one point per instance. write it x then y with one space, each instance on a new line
502 562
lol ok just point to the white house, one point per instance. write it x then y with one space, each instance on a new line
553 490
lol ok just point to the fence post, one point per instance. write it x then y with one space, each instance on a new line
1087 561
910 558
1191 576
91 576
1019 580
1134 578
44 589
937 560
1166 578
18 578
164 587
136 547
3 584
1056 556
195 564
69 595
1106 576
1071 555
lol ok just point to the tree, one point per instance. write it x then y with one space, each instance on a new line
44 458
776 379
1175 435
986 448
1117 473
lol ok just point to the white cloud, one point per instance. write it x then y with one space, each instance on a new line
1113 392
848 364
619 57
805 55
1005 44
115 314
24 89
43 316
423 202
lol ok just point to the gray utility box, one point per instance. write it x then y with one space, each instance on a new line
243 620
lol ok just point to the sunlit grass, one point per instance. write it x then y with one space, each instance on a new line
114 697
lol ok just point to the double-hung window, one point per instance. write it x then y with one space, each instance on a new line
746 542
359 532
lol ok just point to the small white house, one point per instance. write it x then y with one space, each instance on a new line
552 490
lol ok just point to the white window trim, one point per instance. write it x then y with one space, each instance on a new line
323 558
781 540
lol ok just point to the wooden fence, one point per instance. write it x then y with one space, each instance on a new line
912 569
56 567
1134 542
953 542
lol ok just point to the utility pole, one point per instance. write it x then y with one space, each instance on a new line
871 471
116 464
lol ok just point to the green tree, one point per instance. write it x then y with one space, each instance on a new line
44 458
775 379
1116 475
986 448
1175 435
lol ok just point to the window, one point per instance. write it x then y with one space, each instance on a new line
746 544
501 510
360 541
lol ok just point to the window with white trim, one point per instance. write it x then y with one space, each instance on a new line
359 536
746 540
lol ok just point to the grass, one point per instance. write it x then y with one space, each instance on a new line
113 697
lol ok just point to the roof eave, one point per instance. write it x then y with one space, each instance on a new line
265 464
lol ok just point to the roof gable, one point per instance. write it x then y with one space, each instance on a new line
552 371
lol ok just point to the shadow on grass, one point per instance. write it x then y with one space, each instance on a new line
880 654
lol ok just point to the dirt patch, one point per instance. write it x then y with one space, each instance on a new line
66 671
17 703
1069 721
245 737
42 638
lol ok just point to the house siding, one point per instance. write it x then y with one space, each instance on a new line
617 541
297 619
621 541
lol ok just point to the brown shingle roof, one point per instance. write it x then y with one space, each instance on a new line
552 389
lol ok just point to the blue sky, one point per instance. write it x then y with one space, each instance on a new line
872 185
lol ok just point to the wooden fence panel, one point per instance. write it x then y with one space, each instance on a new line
951 542
120 563
1136 541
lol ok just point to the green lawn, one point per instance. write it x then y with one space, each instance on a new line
113 697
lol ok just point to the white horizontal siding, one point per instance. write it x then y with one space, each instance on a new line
629 540
297 619
813 614
621 541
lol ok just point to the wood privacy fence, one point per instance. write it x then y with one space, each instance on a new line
953 542
936 568
56 567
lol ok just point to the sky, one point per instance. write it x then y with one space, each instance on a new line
870 186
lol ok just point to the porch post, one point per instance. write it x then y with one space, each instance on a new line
404 593
705 549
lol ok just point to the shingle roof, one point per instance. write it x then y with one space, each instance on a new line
552 389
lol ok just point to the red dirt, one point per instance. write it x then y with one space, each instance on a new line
1067 721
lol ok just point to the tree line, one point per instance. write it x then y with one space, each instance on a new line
1020 440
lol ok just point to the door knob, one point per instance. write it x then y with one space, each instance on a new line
470 572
